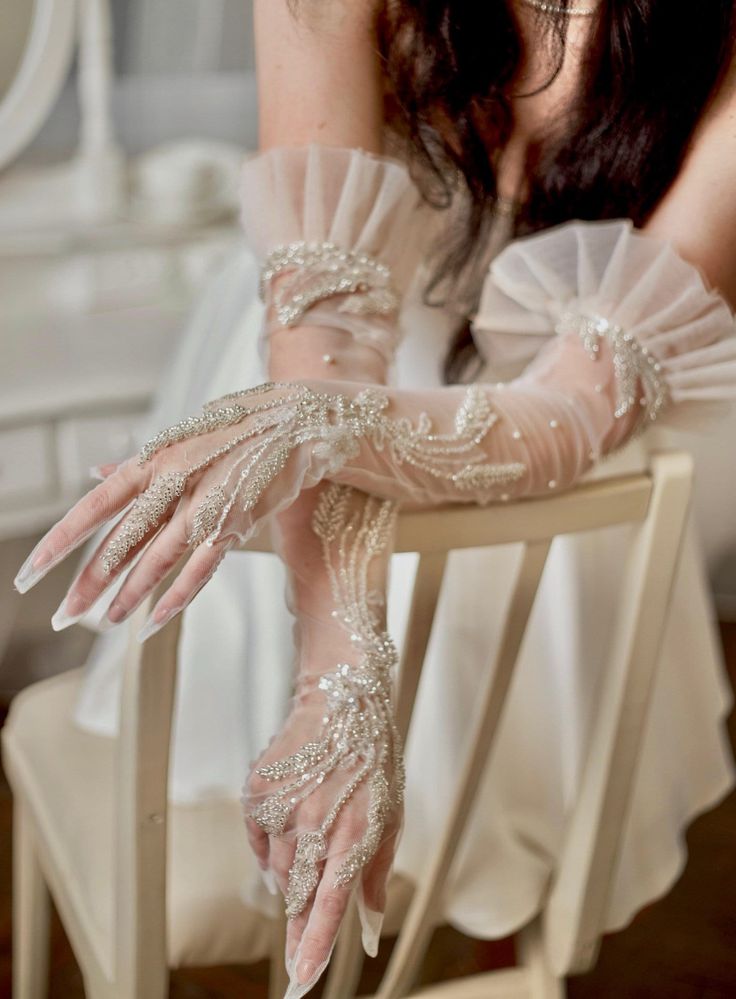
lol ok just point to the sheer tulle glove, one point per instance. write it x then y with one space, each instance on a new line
339 235
335 233
211 479
208 482
194 490
323 803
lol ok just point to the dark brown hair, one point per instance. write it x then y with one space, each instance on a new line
449 68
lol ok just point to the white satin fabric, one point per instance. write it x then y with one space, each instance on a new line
236 661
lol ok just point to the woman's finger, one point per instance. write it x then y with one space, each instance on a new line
197 572
158 541
92 580
154 565
86 516
371 895
294 931
101 472
258 840
320 933
280 859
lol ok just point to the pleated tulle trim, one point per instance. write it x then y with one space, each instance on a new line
633 280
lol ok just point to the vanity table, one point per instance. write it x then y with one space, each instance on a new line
98 271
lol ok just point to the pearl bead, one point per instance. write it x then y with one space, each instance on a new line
599 388
328 358
516 435
554 424
552 484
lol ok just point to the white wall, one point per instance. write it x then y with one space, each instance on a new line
174 36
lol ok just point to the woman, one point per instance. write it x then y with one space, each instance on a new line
537 113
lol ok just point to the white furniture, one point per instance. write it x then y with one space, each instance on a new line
93 294
98 271
92 825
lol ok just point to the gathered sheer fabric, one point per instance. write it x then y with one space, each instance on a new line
353 200
612 270
481 443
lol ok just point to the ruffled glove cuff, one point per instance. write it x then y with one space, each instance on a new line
673 339
337 232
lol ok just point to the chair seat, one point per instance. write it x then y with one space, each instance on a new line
65 776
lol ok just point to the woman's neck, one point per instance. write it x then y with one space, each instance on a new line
537 107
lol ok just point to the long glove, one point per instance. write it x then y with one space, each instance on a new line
634 336
250 453
324 802
335 232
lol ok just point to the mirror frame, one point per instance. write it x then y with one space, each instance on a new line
41 75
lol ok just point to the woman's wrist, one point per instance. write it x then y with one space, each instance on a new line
323 352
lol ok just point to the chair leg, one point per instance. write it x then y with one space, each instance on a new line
31 913
543 982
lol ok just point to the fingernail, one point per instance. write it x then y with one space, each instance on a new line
306 977
305 972
157 621
35 566
69 611
371 923
269 880
102 472
116 613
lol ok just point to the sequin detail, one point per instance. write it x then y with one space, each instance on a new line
146 513
358 736
280 418
317 271
632 363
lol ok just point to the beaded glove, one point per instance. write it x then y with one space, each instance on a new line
212 478
335 233
338 234
323 803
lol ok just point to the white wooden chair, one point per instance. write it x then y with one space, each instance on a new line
57 780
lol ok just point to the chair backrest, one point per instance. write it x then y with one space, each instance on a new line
656 501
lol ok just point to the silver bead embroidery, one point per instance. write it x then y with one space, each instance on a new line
333 425
358 730
632 362
317 271
146 513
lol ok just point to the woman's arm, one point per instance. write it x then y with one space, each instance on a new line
319 75
698 213
319 82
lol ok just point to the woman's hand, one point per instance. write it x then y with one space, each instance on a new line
314 923
194 491
323 804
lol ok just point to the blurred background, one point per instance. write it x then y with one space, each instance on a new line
122 128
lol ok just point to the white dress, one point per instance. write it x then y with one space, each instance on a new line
236 660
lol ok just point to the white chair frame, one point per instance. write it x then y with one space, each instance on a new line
565 937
